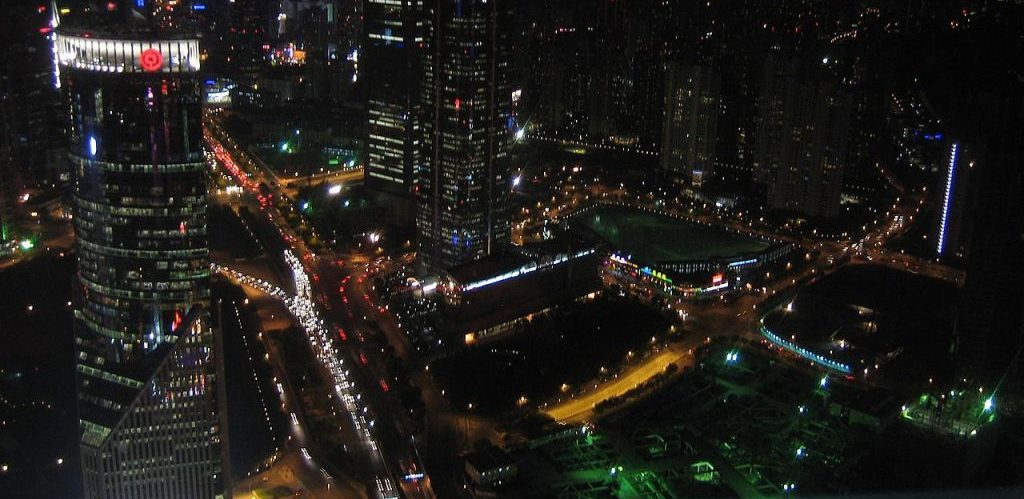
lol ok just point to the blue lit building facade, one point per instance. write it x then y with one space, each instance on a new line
463 191
955 197
147 363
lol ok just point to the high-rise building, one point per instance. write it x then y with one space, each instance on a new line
6 170
559 94
801 139
246 35
990 324
951 228
690 132
33 116
391 62
232 35
464 186
147 362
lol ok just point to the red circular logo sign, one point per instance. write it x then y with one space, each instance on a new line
151 59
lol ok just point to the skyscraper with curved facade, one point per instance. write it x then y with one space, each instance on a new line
146 356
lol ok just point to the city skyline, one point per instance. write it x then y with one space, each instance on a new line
420 249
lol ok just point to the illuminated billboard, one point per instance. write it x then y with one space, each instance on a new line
128 56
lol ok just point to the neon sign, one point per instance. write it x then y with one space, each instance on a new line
619 259
743 262
656 274
152 60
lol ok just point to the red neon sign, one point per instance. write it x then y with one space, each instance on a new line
717 278
152 60
178 319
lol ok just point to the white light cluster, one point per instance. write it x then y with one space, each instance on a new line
302 288
523 270
317 333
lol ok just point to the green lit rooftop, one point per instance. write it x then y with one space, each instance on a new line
651 237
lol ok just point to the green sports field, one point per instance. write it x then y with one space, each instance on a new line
651 238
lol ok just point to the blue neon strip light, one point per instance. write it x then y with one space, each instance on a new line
803 352
941 246
744 262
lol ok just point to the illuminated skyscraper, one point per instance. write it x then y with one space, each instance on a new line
690 132
146 357
391 63
801 139
33 116
463 212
